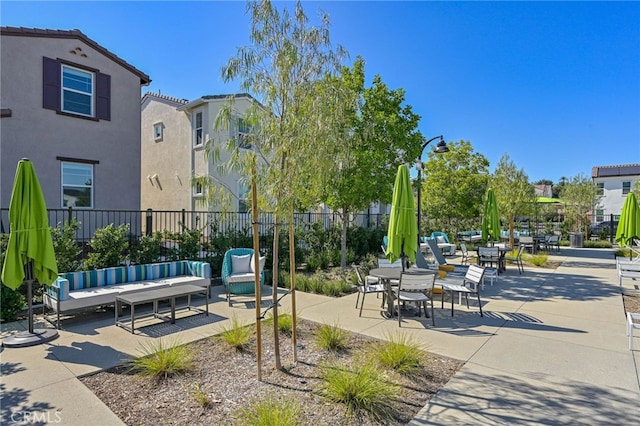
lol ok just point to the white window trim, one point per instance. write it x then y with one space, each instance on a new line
628 189
160 125
91 95
195 129
196 192
62 185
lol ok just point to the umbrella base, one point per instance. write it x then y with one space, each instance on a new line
24 338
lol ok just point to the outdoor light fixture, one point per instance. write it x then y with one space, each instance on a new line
440 148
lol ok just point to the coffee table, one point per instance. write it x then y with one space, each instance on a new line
154 296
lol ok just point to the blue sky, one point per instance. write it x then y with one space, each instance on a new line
556 85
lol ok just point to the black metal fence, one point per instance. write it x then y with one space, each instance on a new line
146 222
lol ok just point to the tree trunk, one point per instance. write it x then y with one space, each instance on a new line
274 292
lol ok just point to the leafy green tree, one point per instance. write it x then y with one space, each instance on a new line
514 193
454 186
282 68
379 133
580 196
636 189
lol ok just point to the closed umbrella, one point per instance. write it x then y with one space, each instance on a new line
491 218
403 227
629 224
29 256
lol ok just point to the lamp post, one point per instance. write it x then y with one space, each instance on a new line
440 148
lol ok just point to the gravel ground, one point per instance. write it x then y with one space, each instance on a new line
229 379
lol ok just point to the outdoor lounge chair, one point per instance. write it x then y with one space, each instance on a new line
238 275
442 262
442 239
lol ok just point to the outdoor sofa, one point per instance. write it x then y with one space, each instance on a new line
74 291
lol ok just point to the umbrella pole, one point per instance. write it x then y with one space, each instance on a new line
28 273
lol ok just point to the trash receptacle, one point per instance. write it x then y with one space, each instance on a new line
576 239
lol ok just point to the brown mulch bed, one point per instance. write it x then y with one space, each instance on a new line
631 303
229 379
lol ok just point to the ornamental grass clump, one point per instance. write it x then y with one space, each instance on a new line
270 411
399 353
537 259
361 388
161 359
237 334
331 337
285 323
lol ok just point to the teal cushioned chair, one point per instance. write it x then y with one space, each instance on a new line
237 287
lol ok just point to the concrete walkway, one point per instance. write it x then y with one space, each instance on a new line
551 349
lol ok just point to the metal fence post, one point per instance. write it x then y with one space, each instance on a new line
149 224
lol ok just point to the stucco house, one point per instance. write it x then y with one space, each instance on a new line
174 134
73 108
614 183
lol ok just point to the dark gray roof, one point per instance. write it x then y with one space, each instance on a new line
77 34
176 101
619 170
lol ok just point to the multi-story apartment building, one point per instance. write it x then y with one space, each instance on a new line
174 135
73 108
614 183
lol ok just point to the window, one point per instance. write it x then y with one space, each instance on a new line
158 131
198 129
77 185
243 134
600 188
197 188
75 90
626 187
243 196
599 215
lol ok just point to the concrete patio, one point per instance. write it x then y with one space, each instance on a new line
551 349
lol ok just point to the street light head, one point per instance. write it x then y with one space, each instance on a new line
441 147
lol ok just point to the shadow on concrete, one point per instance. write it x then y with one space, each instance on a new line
182 324
87 353
16 410
501 399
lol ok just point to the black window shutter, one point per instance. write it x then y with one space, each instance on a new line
103 96
50 83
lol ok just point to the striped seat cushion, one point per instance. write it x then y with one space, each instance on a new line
136 273
198 269
62 284
85 279
115 275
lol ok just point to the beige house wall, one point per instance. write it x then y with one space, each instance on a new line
42 135
175 159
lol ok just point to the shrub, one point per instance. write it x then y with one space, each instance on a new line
362 388
624 252
162 361
109 247
11 303
399 353
536 259
65 246
187 243
331 337
147 250
597 244
270 411
237 335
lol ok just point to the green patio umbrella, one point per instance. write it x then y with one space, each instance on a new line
403 227
491 218
629 224
29 256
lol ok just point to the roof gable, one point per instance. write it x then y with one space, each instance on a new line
74 34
